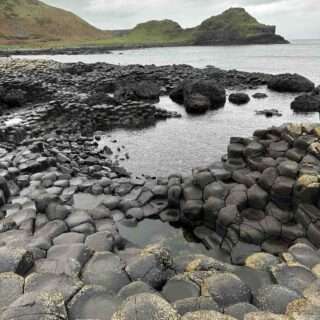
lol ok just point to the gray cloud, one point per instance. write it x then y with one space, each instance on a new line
293 18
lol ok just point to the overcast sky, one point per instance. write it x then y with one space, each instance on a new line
294 19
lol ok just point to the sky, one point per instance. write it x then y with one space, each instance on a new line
295 19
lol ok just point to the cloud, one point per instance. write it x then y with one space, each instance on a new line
294 18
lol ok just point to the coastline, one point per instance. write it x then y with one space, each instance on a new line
259 204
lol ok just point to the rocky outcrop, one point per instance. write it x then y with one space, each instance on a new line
235 26
198 96
307 102
290 83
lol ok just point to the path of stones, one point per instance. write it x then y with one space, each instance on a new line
260 204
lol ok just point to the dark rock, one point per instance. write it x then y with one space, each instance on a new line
19 261
306 103
275 298
226 289
257 197
290 83
178 288
259 95
239 98
241 251
143 90
207 89
295 278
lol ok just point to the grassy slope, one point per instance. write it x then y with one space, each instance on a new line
31 23
24 21
234 23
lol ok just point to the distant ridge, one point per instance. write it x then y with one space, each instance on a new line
35 24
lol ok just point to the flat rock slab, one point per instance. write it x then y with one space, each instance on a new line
146 307
37 306
92 302
296 278
106 269
226 289
11 288
275 298
46 282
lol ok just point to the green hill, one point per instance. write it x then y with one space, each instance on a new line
32 21
236 26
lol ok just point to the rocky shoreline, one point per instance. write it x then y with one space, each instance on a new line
259 204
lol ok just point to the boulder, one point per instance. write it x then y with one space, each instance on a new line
290 83
239 98
306 103
197 103
205 88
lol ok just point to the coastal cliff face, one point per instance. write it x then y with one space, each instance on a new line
235 26
35 24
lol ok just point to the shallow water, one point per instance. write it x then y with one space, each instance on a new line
178 145
301 56
177 240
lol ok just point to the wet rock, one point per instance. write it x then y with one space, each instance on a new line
290 83
259 95
226 289
306 103
146 306
207 89
239 98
